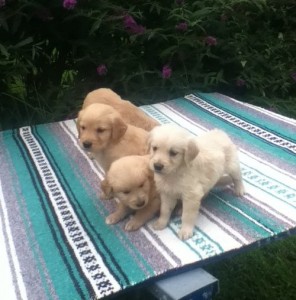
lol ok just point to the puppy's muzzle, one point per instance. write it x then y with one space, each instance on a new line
158 167
140 203
87 145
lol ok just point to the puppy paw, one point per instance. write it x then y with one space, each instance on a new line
159 225
103 196
185 233
132 225
112 219
239 190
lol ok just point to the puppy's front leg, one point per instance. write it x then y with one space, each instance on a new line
121 212
168 203
191 204
143 215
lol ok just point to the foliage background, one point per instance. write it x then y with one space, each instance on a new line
53 52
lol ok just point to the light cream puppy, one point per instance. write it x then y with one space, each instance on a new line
103 133
187 168
130 113
130 180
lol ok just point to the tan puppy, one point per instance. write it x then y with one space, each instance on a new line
130 180
103 133
130 113
187 168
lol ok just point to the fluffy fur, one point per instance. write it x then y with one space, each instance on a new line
187 168
130 180
130 113
104 134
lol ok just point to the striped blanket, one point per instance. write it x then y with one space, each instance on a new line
54 243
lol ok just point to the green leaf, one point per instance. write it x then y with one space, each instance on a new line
24 42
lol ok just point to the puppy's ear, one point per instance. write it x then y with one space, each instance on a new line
106 189
191 151
118 128
78 122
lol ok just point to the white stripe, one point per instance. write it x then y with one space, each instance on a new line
246 216
270 211
158 247
6 283
70 238
221 236
258 131
172 242
261 109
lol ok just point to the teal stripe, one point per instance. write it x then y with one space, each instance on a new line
235 217
211 240
188 245
268 123
251 182
84 207
40 225
258 145
255 214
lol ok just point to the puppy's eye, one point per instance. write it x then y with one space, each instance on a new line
126 192
141 185
173 153
100 130
82 127
154 148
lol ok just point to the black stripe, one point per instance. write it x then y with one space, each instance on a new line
30 164
266 141
72 196
233 113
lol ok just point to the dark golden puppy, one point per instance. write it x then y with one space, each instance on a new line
130 180
130 113
103 133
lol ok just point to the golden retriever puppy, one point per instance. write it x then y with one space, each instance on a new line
130 180
130 113
187 167
103 133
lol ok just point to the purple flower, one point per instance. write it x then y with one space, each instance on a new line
166 72
180 2
293 75
131 25
44 14
223 18
2 3
210 41
69 4
102 70
240 82
183 26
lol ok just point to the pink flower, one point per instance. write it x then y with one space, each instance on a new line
240 82
210 41
183 26
102 70
2 3
69 4
132 26
166 72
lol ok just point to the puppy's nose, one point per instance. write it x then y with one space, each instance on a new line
87 145
158 166
140 203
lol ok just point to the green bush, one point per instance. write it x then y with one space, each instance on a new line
53 52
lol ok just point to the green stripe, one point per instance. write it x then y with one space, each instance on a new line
266 122
84 207
253 213
40 225
257 143
247 225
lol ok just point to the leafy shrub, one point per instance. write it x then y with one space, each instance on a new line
53 52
